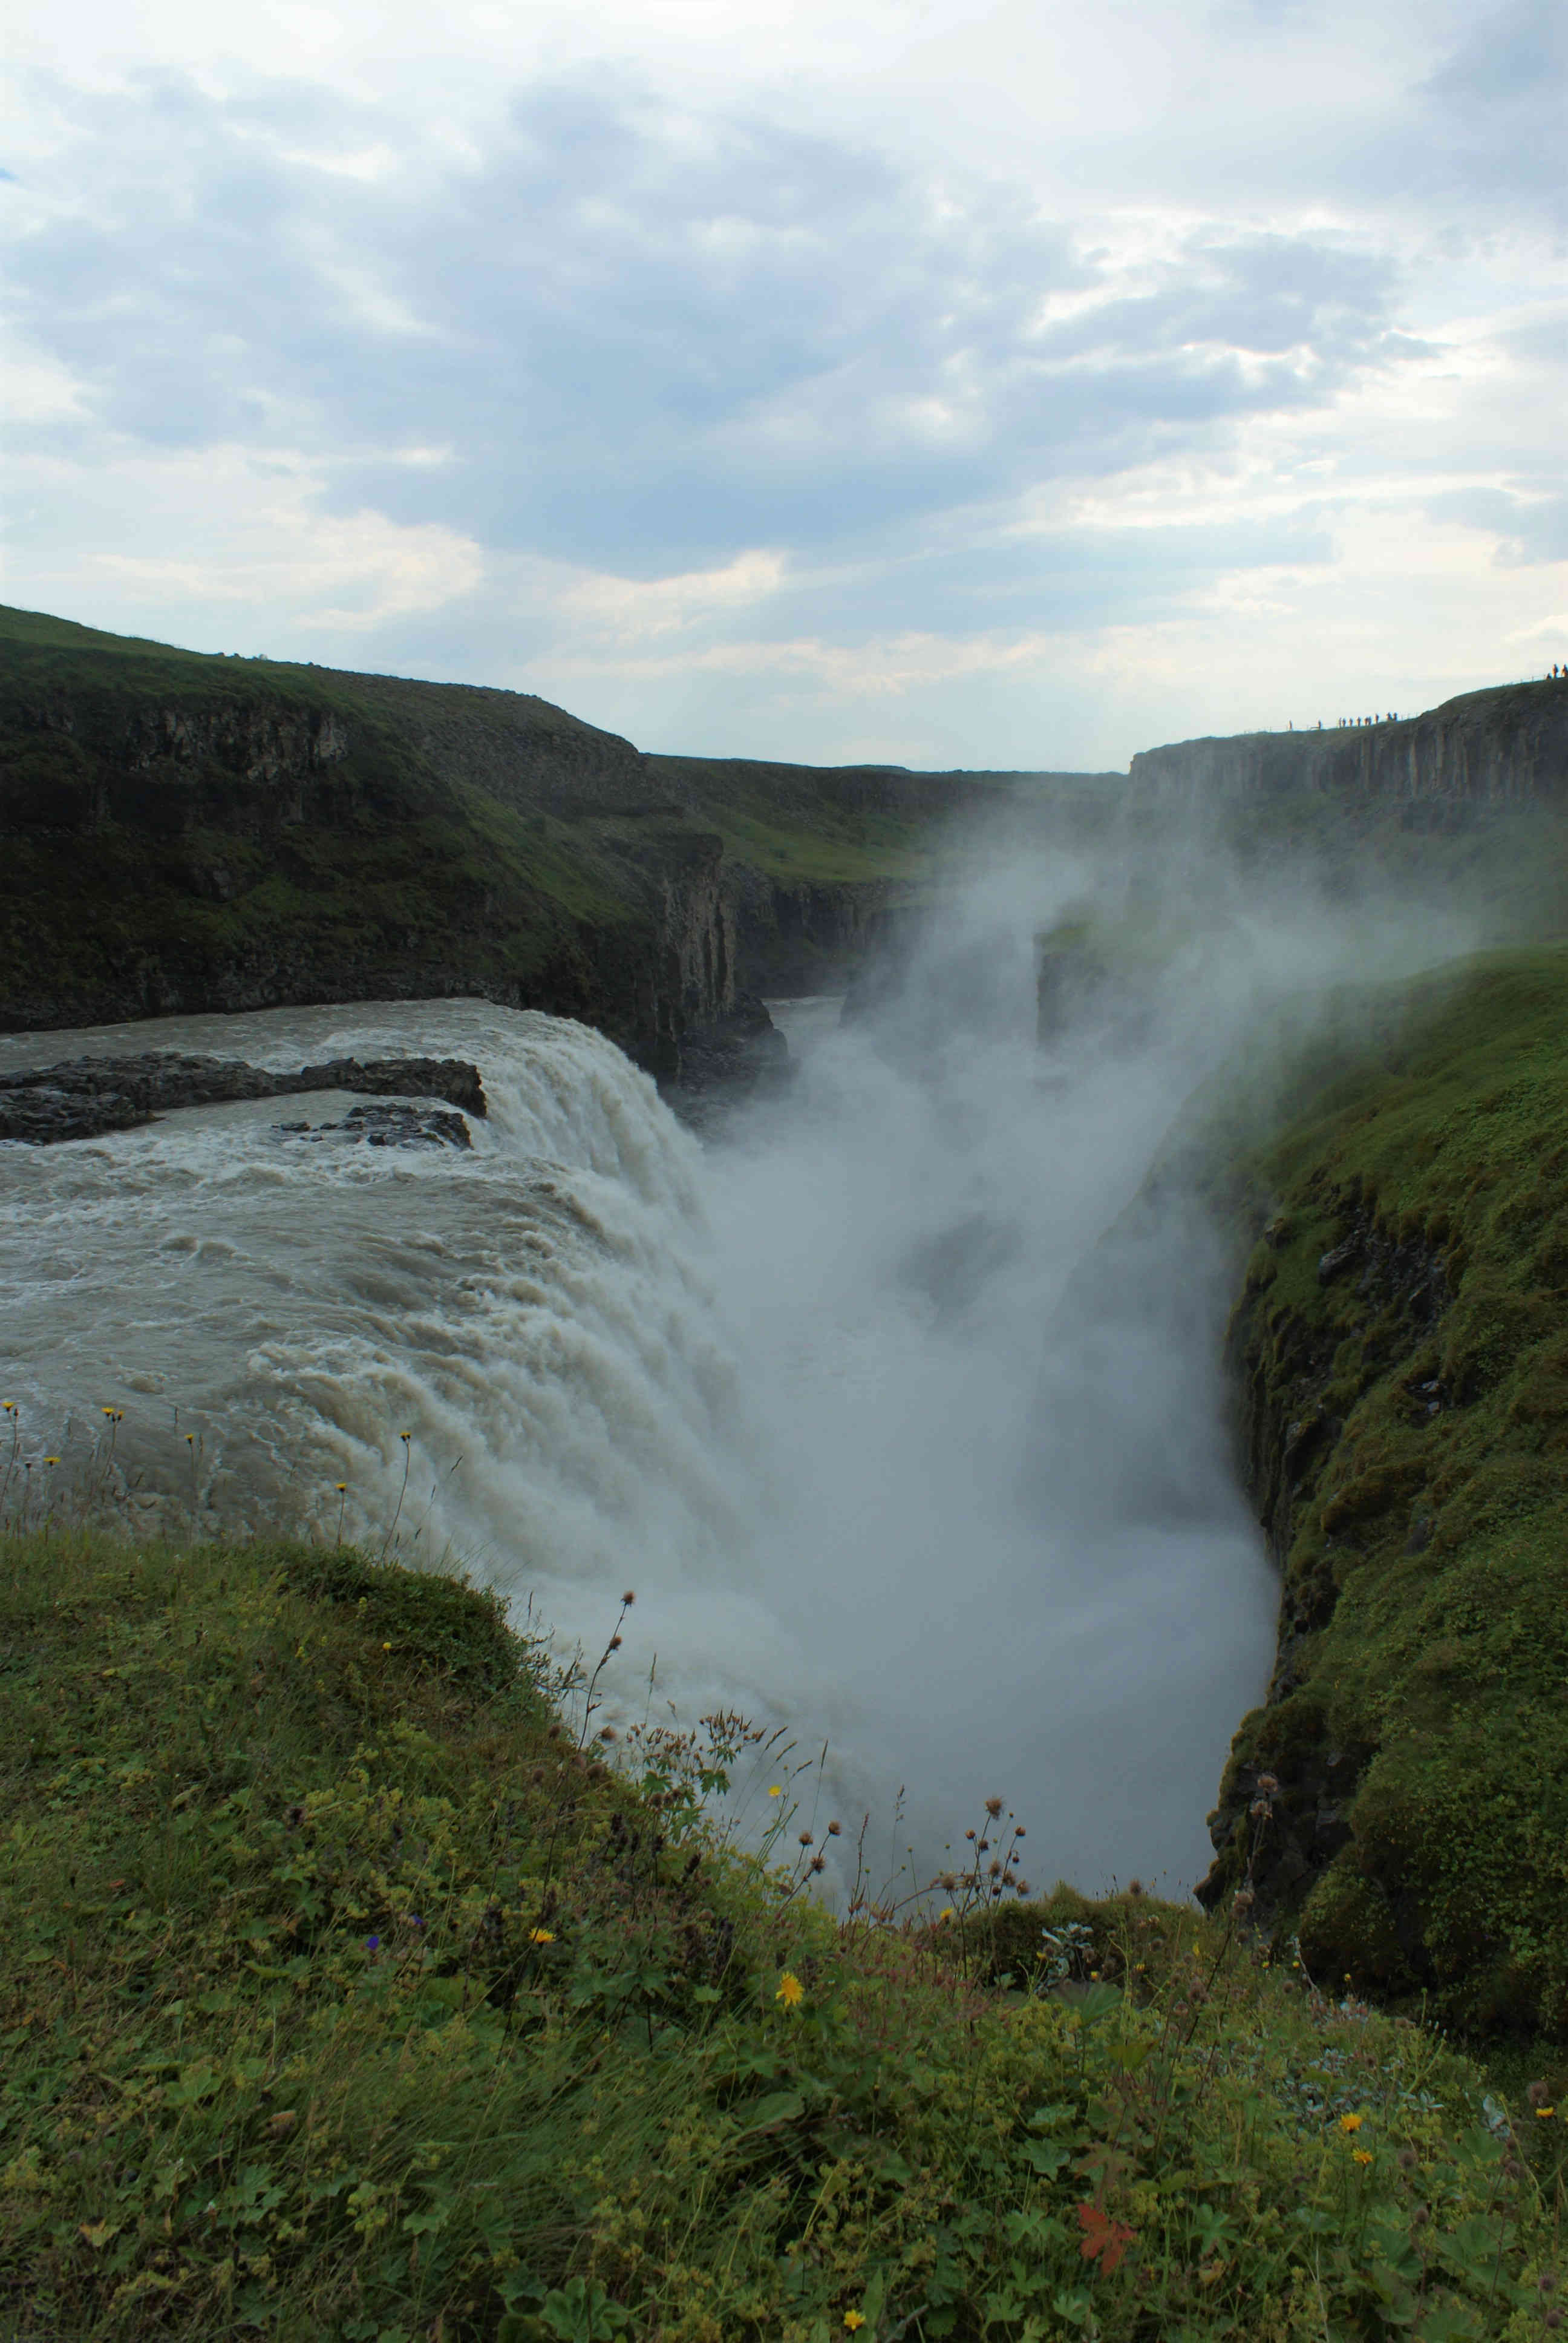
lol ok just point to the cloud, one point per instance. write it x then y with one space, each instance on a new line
714 408
655 336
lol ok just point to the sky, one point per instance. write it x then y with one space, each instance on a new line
923 381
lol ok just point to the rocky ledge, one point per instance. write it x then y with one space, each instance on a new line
386 1126
84 1097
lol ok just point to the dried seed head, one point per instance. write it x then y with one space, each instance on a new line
1408 2159
1552 2322
1259 1807
1547 2281
1537 2094
969 1834
1420 2217
1242 1901
835 1830
1135 1887
993 1869
1018 1831
1021 1886
614 1643
608 1733
948 1881
805 1839
993 1807
1268 1784
818 1862
627 1599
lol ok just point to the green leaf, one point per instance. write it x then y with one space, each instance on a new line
1396 2303
1451 2322
1045 2156
1048 2119
580 2313
774 2108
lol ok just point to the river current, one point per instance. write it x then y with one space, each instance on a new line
904 1432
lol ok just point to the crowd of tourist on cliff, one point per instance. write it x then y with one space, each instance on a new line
1557 673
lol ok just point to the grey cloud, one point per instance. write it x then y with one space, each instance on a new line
1528 528
653 338
1496 108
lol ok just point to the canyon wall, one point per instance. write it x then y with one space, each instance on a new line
1507 746
184 832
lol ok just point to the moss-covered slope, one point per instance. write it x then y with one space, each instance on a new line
1402 1347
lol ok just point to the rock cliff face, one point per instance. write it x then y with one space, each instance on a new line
184 833
1507 746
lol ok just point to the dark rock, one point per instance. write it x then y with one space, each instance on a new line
386 1126
1340 1257
730 1060
84 1096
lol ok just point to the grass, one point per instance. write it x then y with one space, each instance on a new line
1407 1413
359 1987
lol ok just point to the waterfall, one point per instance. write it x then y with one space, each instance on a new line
901 1431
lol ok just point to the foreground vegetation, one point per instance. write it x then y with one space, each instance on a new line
359 1987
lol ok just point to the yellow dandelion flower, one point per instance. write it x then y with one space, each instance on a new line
387 1647
1351 2123
945 1914
791 1992
542 1936
1360 2156
853 2320
777 1791
1545 2114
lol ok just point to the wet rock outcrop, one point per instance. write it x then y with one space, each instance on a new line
84 1097
385 1126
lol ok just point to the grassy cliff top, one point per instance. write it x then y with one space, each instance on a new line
359 1987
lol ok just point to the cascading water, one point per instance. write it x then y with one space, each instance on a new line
845 1397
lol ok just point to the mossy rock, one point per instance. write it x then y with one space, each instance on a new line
439 1625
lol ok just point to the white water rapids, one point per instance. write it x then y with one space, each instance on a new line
841 1395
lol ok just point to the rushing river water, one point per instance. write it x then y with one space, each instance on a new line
889 1442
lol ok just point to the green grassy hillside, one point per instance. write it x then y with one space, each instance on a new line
1403 1352
358 1987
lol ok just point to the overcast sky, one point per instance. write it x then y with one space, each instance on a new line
925 380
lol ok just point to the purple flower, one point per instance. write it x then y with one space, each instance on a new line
372 1943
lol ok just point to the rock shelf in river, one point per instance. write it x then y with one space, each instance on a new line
81 1097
